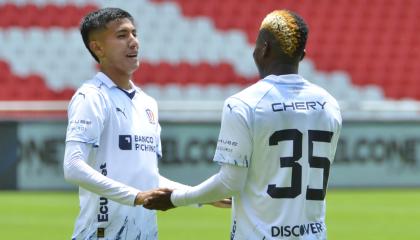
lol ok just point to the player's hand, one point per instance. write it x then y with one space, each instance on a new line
159 200
142 196
224 203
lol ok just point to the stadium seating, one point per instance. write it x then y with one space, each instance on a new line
30 87
356 49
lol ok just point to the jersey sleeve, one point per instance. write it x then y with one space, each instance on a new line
228 182
234 145
86 116
77 171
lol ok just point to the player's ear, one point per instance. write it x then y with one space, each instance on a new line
303 55
265 48
96 47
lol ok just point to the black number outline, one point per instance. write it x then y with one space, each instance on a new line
296 137
295 189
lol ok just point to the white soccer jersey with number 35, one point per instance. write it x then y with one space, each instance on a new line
285 130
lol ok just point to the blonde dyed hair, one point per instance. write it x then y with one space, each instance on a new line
285 28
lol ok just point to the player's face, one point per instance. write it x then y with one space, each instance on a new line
119 46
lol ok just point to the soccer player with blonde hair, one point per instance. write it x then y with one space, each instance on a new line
276 144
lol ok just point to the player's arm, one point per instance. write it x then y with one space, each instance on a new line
77 171
169 184
233 152
228 182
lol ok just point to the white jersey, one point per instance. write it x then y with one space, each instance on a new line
285 130
125 135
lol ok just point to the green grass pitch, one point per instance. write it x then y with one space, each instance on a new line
351 214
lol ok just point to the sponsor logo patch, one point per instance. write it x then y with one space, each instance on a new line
137 142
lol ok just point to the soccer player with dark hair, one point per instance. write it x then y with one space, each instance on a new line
277 141
113 136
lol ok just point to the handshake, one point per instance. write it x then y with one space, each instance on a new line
160 199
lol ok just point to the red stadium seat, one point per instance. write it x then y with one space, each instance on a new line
375 41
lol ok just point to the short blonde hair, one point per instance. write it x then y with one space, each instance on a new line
286 28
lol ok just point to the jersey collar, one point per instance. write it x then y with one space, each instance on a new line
105 80
109 83
287 78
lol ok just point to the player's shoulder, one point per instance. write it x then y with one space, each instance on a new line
92 94
91 89
145 97
324 93
333 107
99 85
251 95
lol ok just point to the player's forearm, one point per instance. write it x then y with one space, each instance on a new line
210 190
227 183
77 171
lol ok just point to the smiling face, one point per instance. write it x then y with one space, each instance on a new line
116 47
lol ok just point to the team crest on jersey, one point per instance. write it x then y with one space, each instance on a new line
150 116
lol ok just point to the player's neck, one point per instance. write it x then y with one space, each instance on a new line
279 69
121 79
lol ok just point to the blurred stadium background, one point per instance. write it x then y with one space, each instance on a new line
194 54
